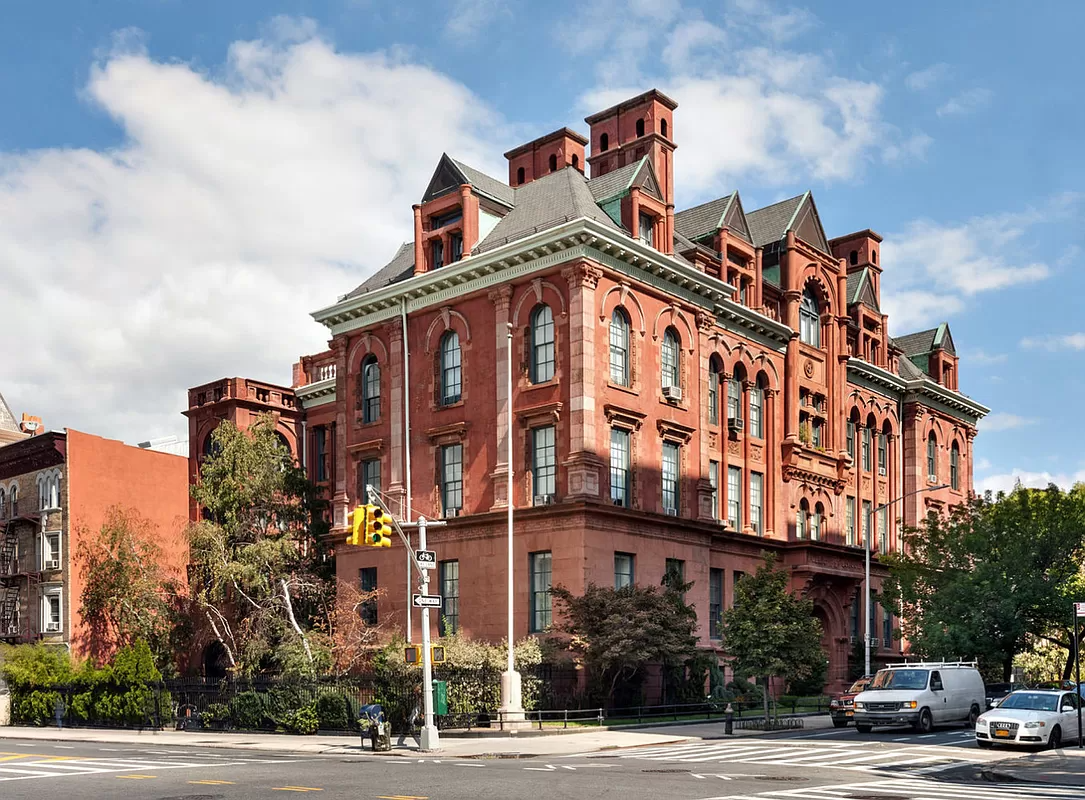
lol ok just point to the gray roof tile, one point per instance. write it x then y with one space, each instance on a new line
617 182
769 224
399 268
916 344
693 223
860 290
910 371
499 190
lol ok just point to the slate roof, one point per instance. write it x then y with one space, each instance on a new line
7 419
491 186
860 290
916 344
693 223
546 203
399 268
769 224
910 371
618 182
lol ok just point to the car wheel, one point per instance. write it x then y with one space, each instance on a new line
924 724
840 723
863 728
984 745
1055 739
973 715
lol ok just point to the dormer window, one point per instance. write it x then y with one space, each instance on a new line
553 163
663 127
640 127
455 245
437 254
604 143
439 221
853 257
645 230
520 176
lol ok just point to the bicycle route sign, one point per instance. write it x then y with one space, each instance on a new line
427 559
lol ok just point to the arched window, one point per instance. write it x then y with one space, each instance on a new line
13 496
873 256
3 503
54 491
640 127
663 127
668 358
714 391
604 143
542 344
849 436
210 446
41 491
451 378
932 460
800 519
955 466
576 161
553 162
519 176
371 389
287 452
810 318
815 522
853 257
734 395
619 347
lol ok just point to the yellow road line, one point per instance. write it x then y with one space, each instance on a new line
138 777
214 783
295 789
400 797
16 756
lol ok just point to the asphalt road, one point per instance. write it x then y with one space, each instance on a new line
823 765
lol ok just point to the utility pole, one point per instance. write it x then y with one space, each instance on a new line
429 739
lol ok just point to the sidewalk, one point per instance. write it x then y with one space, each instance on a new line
1065 767
522 745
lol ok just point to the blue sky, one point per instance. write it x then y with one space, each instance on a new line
182 182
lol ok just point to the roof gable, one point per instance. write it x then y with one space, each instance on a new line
7 419
734 218
861 290
807 224
799 214
446 177
617 182
451 174
944 339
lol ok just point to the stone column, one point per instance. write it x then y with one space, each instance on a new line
342 455
397 489
791 295
500 297
705 511
773 471
584 463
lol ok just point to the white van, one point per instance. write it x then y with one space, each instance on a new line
921 695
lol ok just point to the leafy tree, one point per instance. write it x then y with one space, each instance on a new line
130 593
770 633
618 632
261 576
976 582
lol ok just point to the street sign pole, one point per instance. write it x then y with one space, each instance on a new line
1078 609
429 739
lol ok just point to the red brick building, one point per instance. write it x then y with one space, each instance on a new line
690 389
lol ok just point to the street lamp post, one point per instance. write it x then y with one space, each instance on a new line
511 703
866 573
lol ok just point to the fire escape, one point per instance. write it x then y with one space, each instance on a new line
15 582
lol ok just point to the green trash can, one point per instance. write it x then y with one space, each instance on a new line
440 698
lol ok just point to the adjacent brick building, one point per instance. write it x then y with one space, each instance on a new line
56 490
690 389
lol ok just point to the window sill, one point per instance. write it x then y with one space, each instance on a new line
440 407
529 386
627 389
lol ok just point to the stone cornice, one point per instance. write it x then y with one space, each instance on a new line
881 379
316 394
929 393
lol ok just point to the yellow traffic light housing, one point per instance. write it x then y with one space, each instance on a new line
356 520
437 653
412 654
378 528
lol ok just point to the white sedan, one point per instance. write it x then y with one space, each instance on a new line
1030 717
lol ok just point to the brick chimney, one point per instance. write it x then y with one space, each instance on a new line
641 126
558 150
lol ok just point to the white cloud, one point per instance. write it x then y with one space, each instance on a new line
1005 482
933 268
926 78
1068 341
984 358
982 465
467 18
1002 421
758 112
240 199
966 102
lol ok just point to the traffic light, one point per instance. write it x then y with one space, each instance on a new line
437 653
412 654
356 523
378 528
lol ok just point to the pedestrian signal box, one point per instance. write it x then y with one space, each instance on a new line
412 654
437 653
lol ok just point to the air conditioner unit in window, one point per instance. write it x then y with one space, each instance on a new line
544 499
52 565
52 627
671 512
852 640
735 423
452 512
881 470
672 392
875 644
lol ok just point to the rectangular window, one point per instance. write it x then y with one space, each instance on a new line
883 454
674 573
734 498
539 593
544 468
715 602
816 427
670 478
449 217
850 521
645 226
367 582
756 397
866 449
50 551
734 399
714 481
866 523
713 398
370 476
623 570
449 577
452 479
51 615
438 252
883 530
887 628
619 467
850 435
757 483
320 445
455 242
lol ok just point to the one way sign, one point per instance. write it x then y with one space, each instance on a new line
427 601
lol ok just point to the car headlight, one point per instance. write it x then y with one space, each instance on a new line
981 722
859 706
1035 724
909 704
835 704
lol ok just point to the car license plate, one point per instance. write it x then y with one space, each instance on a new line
850 714
1002 734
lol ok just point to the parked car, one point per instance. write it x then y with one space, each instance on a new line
995 692
921 695
1036 717
842 707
